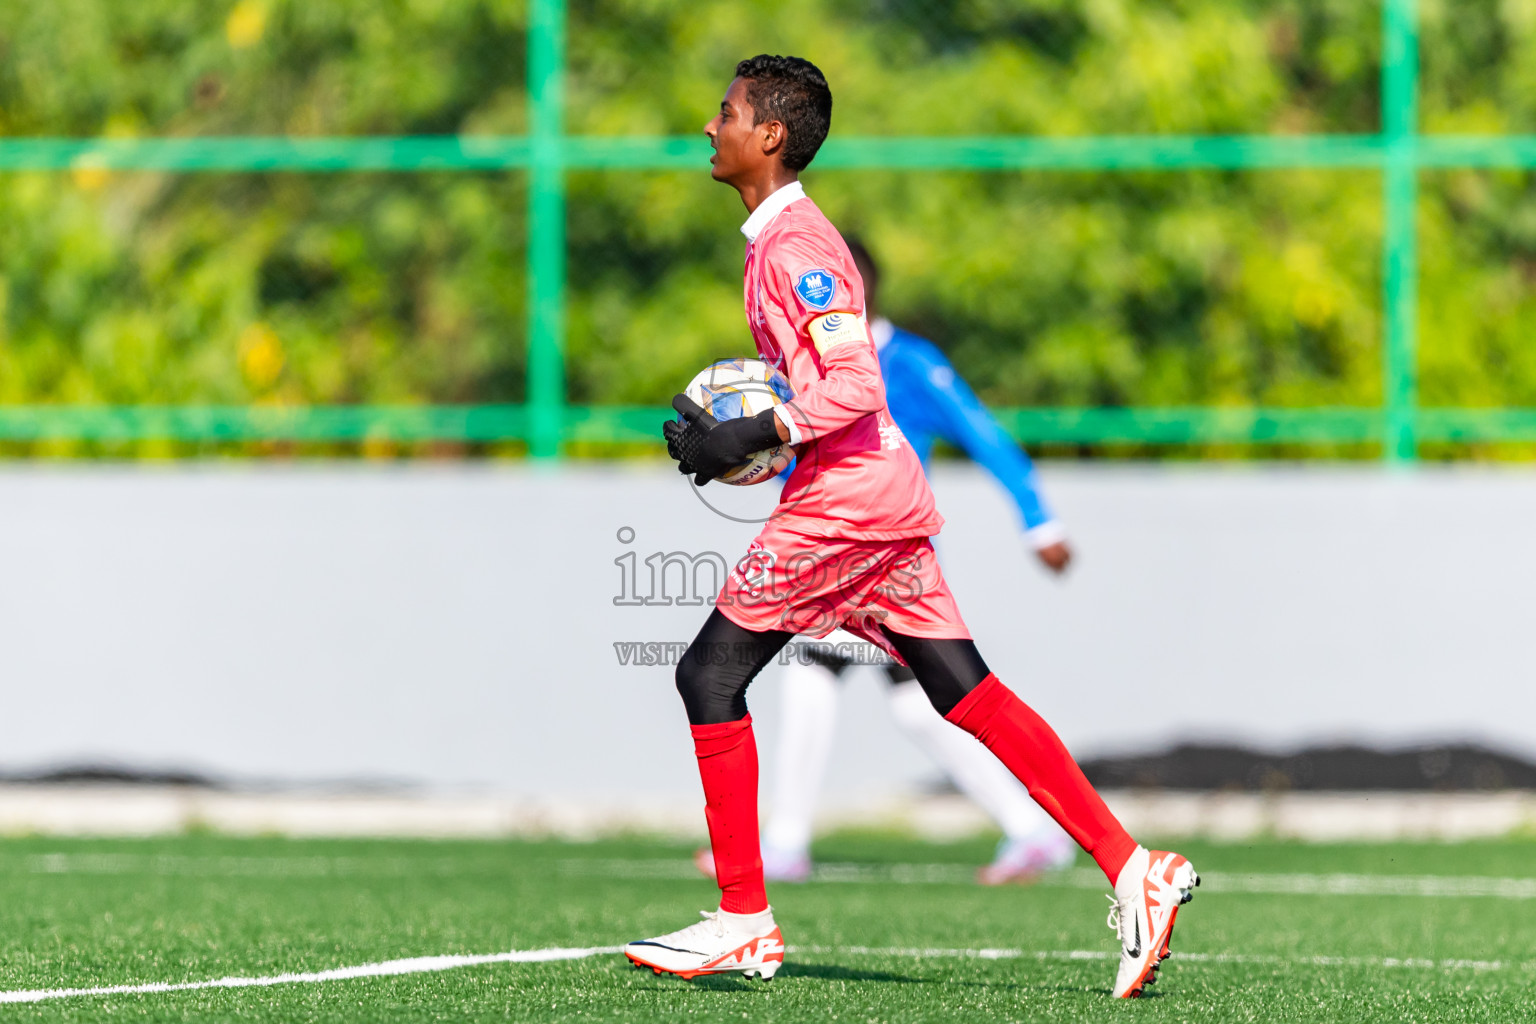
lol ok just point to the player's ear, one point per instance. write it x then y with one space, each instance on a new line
773 136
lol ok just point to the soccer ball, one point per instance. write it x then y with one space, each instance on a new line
744 387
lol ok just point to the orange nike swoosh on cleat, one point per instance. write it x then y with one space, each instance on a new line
766 948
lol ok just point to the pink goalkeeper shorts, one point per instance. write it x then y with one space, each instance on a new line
792 581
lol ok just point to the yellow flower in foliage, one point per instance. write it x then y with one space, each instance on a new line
379 445
261 356
246 24
89 173
89 170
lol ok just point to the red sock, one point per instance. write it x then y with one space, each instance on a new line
727 756
1035 754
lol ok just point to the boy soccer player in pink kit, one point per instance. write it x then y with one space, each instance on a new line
848 547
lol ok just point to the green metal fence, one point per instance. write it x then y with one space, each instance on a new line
547 154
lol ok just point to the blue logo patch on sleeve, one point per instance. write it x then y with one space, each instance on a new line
816 287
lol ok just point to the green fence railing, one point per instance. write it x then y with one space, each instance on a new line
547 154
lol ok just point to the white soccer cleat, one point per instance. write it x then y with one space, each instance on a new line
1151 888
719 944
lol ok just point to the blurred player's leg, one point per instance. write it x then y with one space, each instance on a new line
809 703
1032 842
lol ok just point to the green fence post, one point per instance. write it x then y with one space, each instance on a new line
546 227
1400 116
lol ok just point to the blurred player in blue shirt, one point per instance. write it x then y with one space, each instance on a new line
930 402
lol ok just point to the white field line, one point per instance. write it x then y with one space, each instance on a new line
1081 878
433 964
386 968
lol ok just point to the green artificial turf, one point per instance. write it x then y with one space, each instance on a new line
83 913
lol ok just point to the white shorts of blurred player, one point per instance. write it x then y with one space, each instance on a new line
1032 843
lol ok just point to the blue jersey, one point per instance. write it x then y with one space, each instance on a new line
929 401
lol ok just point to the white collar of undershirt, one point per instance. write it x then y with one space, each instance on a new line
881 330
770 208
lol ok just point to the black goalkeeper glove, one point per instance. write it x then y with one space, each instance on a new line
707 448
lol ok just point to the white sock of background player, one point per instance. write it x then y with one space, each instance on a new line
809 702
972 768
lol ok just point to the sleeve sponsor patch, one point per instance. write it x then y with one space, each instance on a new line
836 328
816 288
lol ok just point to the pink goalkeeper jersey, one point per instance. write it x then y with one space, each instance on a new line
857 477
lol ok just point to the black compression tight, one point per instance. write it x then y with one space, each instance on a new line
720 664
724 658
947 670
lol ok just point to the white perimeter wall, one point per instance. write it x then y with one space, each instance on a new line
453 626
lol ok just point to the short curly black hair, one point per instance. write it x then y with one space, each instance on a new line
794 92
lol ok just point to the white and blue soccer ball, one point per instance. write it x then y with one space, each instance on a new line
744 387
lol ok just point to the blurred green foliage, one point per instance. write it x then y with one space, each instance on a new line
1216 288
1258 288
274 288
